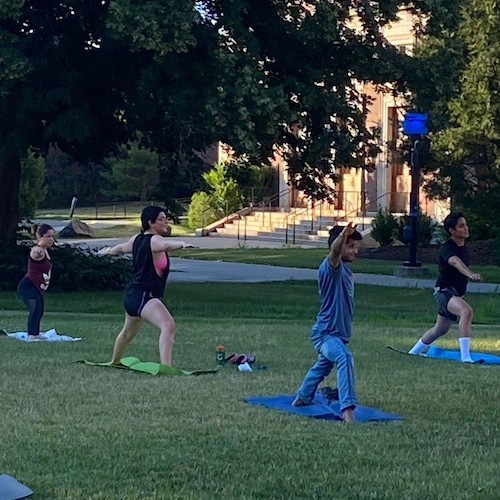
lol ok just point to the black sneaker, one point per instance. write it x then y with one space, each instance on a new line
330 393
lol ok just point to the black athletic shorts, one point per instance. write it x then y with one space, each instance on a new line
135 300
442 297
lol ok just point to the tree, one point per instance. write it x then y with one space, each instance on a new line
32 190
87 74
285 62
67 177
68 75
465 99
470 146
134 174
256 68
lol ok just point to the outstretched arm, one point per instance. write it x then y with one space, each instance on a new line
458 264
337 247
163 244
120 249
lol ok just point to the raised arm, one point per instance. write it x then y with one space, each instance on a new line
458 264
337 247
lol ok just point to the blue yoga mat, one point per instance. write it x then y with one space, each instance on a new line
321 408
12 489
434 352
477 357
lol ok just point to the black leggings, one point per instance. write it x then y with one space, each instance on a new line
33 300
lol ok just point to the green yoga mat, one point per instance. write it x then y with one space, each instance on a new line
150 367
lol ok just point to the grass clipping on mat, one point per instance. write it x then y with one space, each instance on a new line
150 367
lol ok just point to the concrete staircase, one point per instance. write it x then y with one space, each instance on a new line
286 226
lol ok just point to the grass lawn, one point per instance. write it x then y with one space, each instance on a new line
74 432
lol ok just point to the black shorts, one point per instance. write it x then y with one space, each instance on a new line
442 296
135 300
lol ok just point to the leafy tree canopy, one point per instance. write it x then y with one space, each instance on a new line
461 55
86 74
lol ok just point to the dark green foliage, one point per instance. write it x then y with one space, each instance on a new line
384 227
66 177
73 269
425 229
457 82
481 227
89 75
32 190
132 175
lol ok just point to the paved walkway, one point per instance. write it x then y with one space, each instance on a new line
232 272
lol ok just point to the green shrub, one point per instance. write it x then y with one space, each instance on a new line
426 227
384 228
201 210
481 228
74 269
497 252
224 190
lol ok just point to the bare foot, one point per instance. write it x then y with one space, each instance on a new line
298 403
35 338
348 415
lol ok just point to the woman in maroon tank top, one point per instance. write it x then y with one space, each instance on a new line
36 281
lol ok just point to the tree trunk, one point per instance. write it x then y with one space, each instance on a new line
10 179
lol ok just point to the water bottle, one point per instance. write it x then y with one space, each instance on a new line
220 354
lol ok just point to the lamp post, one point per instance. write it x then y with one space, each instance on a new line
414 125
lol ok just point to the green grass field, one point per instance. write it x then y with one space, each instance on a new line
74 432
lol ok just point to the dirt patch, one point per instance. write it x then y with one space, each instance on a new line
483 253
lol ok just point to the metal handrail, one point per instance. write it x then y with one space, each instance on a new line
274 197
266 203
346 216
348 212
295 214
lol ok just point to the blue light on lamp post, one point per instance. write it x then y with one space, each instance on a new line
414 126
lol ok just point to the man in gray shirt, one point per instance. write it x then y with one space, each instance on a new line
332 330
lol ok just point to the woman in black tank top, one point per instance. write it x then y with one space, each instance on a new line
150 268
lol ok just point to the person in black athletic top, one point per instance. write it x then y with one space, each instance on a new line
150 268
451 285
